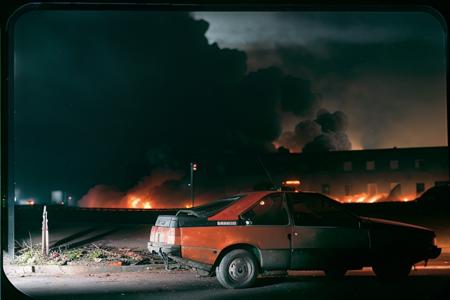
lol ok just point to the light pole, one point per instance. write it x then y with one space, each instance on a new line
193 169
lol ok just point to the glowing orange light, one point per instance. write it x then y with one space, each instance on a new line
360 199
140 202
135 202
292 182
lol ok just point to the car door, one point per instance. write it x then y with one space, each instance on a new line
324 233
267 226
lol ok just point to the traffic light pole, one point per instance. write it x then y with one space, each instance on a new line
192 184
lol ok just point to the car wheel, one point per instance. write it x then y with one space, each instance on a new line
237 269
335 272
391 271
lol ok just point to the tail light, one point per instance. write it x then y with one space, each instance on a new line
152 234
170 237
164 235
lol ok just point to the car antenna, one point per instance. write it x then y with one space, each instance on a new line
266 171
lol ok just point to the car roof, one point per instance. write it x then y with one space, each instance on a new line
232 212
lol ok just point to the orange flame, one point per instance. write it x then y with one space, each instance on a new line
137 202
372 198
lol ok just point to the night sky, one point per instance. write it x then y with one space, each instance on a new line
112 97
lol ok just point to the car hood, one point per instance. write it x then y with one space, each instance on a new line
382 223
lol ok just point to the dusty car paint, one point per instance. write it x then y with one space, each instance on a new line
315 247
206 243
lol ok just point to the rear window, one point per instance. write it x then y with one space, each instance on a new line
214 207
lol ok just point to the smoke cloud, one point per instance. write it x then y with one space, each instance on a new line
136 104
162 183
392 62
326 133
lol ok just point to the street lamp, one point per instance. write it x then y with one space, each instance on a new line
194 167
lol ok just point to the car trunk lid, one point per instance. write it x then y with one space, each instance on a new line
165 231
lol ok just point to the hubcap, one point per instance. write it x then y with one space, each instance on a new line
239 269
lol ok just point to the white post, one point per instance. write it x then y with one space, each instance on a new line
44 232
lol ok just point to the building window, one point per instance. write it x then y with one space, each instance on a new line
420 187
394 165
325 188
418 163
371 188
370 165
392 185
348 189
347 166
441 183
395 189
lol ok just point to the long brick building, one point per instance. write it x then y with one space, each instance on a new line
366 175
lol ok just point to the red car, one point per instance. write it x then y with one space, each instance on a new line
242 236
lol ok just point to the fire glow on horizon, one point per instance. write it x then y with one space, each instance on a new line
151 193
373 198
142 201
134 202
148 203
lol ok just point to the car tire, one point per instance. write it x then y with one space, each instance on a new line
335 272
392 271
238 269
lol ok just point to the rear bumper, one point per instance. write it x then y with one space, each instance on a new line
173 250
191 263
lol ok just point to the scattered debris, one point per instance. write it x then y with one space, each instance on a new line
29 254
92 254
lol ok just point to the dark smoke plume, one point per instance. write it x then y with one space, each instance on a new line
325 133
330 141
307 130
159 98
332 122
332 136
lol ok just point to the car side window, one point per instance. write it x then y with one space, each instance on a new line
317 210
268 211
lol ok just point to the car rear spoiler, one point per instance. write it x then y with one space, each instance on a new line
188 212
